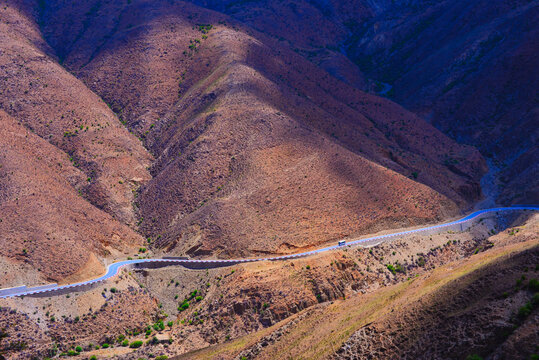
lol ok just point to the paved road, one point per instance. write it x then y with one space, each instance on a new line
114 269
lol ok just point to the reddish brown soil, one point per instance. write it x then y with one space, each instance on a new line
45 98
46 223
434 307
485 304
257 149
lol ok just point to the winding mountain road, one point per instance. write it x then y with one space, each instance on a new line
114 269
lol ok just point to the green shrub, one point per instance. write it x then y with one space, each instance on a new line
125 343
474 357
105 346
525 310
400 268
161 357
135 344
159 326
170 323
535 299
78 349
183 306
72 353
113 290
93 357
533 285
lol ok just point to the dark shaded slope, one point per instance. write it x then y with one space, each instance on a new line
470 69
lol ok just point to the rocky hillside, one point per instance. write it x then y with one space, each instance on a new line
234 128
466 67
469 69
68 168
49 230
473 295
257 149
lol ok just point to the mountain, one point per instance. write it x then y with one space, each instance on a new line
465 67
469 69
68 167
257 149
49 231
252 128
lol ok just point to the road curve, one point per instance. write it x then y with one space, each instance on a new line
114 269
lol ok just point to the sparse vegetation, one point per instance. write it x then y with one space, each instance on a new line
474 357
159 326
533 285
183 306
136 344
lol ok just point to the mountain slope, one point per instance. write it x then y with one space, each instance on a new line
466 67
69 167
257 149
469 68
49 231
38 92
